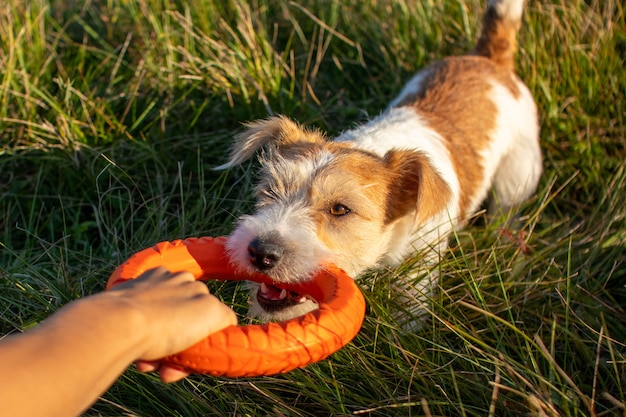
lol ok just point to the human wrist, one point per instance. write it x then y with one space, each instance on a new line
113 318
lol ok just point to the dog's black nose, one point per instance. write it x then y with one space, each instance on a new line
264 254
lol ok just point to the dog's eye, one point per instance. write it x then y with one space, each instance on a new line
339 210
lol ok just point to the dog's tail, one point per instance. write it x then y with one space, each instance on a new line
498 39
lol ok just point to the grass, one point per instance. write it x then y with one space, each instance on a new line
112 113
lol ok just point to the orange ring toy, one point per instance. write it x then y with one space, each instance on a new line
255 350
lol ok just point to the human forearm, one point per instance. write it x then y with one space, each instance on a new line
58 368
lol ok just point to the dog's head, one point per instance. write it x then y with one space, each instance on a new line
322 202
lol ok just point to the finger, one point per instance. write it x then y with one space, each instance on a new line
223 316
181 276
167 373
171 374
151 277
147 366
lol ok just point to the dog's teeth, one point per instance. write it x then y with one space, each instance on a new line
283 294
264 289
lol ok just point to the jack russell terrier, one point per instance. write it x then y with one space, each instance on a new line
463 130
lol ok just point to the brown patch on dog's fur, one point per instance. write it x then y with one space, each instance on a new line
270 133
447 102
357 180
416 186
498 39
280 131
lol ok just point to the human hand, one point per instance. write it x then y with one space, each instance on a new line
175 311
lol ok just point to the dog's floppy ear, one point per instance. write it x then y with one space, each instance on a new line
268 133
416 186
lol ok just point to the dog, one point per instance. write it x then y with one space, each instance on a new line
462 131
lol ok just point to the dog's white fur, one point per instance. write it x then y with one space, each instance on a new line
401 183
